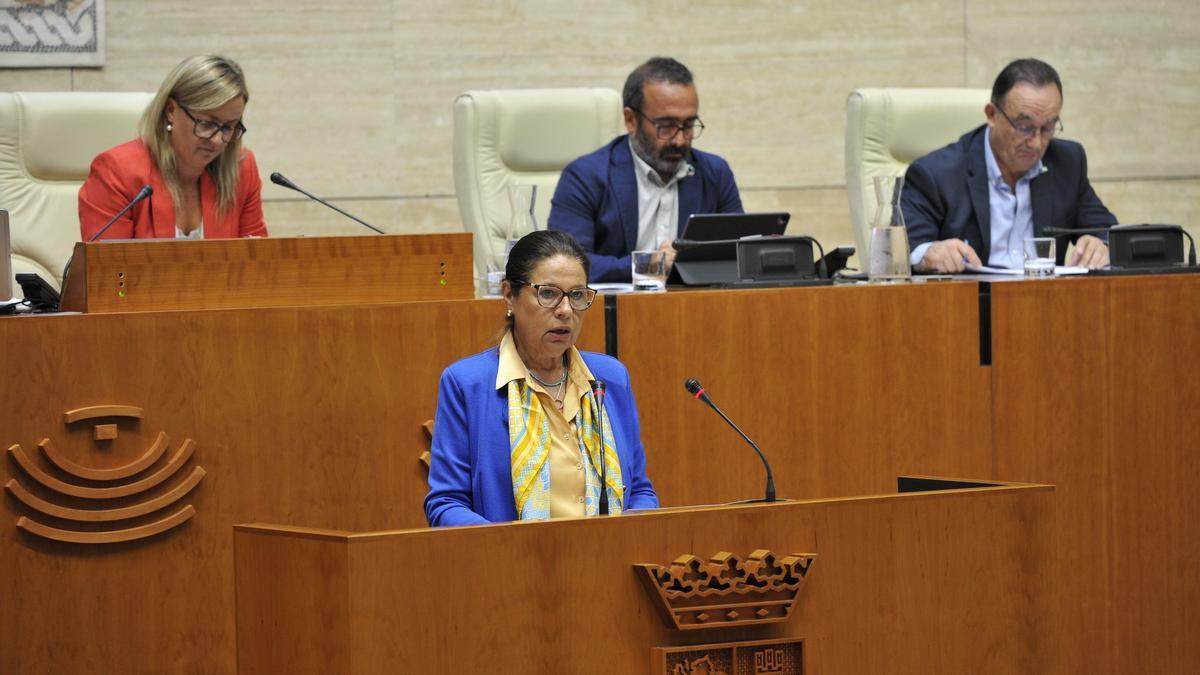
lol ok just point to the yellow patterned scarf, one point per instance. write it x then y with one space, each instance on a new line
529 440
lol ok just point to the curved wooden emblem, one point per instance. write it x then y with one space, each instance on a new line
94 411
102 515
36 473
725 590
121 484
111 536
116 473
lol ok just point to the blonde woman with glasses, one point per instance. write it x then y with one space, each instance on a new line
205 185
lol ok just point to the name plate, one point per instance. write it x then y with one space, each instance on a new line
758 657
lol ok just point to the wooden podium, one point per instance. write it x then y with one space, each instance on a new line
956 581
151 275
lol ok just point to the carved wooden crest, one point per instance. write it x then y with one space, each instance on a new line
123 493
726 590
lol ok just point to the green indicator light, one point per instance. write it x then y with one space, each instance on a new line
120 294
442 281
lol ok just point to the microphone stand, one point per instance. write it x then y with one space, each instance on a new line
282 181
598 394
697 391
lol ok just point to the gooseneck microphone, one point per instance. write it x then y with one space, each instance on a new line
146 191
598 394
697 391
282 181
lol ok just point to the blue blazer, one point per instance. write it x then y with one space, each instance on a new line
470 476
597 202
945 195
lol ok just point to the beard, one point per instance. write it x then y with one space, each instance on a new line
664 160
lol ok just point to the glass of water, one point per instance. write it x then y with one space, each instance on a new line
649 270
1039 256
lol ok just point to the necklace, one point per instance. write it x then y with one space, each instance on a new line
544 383
558 386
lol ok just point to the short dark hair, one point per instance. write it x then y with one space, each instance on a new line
657 69
538 246
1035 72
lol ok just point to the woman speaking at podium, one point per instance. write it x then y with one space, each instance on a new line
205 184
518 427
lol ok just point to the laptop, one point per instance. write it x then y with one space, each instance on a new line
6 273
700 263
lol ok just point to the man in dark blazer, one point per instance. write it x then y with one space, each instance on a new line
636 192
975 201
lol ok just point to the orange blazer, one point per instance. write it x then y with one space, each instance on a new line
117 175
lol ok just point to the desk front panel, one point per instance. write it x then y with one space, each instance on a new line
842 388
299 415
1096 391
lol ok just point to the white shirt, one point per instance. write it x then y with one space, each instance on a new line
1010 214
197 233
658 202
1011 211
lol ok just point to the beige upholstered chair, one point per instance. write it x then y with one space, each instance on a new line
525 136
886 129
47 143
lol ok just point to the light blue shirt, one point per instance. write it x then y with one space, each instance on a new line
1011 213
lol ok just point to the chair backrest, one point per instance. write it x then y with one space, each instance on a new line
886 129
521 136
47 143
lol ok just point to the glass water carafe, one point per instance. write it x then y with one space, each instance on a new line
522 197
887 259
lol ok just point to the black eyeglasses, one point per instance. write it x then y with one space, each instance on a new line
206 129
549 295
1028 130
667 128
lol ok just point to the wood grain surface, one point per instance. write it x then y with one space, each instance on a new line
157 275
306 415
842 388
1096 391
950 582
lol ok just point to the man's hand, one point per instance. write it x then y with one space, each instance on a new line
669 249
949 256
1090 252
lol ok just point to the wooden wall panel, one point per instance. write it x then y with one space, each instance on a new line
843 388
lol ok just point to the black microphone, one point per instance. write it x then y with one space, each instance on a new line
282 181
685 244
146 191
694 388
598 394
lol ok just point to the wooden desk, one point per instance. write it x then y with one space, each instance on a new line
944 582
160 275
306 415
311 417
1096 390
821 378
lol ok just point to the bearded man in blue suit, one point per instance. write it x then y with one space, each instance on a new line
635 193
975 201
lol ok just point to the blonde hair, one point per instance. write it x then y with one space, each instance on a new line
198 83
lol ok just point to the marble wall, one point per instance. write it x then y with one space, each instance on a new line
354 100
